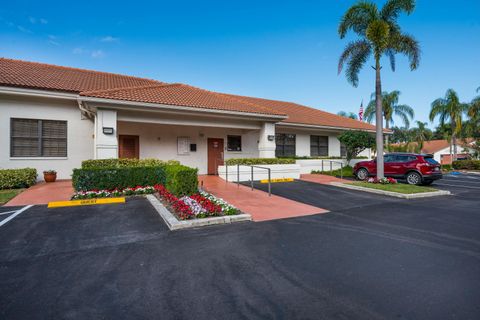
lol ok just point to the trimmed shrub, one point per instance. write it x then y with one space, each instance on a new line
181 180
17 178
122 163
258 161
112 178
466 164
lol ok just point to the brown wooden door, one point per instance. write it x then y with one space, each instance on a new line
215 154
128 147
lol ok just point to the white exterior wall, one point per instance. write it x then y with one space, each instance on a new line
79 132
106 145
302 148
160 141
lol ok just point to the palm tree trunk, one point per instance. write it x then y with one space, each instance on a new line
379 119
454 140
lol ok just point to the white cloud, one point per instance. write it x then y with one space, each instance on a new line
23 29
97 54
78 51
34 20
109 39
43 21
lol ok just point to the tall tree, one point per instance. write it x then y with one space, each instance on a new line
449 109
390 107
380 35
348 114
473 124
420 134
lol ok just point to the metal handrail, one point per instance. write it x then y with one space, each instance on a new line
333 161
251 177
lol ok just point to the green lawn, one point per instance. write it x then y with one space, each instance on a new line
347 172
398 187
7 194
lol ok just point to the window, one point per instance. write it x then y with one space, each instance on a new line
405 158
318 146
234 143
343 150
38 138
285 145
431 160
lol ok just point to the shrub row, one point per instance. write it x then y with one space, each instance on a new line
181 180
121 163
117 178
17 178
466 164
257 161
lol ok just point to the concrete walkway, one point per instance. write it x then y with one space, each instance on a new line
257 203
43 193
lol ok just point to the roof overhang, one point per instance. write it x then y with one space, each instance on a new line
319 127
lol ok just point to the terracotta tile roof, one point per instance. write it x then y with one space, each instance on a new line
181 95
305 115
35 75
433 146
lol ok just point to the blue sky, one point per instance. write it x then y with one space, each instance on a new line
285 50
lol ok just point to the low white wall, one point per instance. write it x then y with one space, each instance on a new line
277 171
308 165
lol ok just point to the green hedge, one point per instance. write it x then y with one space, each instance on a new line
17 178
258 161
111 178
122 163
466 164
181 180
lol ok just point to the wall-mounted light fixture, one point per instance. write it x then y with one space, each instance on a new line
107 130
271 137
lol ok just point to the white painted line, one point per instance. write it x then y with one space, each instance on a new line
7 212
15 214
455 185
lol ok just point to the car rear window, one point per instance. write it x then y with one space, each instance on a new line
431 160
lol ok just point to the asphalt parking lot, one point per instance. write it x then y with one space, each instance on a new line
371 257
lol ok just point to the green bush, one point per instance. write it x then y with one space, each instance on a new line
466 164
111 178
181 180
258 161
346 172
122 163
17 178
447 167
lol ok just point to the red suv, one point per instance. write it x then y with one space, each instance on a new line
414 168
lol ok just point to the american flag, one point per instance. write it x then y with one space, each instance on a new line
360 113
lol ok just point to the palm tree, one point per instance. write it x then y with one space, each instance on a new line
450 109
380 34
349 114
390 107
420 134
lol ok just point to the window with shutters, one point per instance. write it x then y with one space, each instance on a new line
38 138
318 146
285 145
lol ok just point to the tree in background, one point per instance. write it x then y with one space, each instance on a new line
450 109
380 34
390 108
420 134
355 141
346 114
400 135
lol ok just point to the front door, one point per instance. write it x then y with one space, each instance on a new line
215 154
128 147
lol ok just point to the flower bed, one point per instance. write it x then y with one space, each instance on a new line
139 190
382 181
200 205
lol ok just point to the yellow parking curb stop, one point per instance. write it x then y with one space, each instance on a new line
85 202
277 180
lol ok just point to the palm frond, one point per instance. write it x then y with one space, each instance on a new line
392 9
391 55
438 109
369 113
357 18
408 45
355 55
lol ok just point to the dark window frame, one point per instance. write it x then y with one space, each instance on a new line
319 146
232 148
285 145
40 137
343 150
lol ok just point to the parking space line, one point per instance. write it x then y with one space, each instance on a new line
456 185
15 214
7 212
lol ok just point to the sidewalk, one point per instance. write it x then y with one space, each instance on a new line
43 193
257 203
321 178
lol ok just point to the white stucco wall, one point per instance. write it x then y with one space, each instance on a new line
80 133
160 141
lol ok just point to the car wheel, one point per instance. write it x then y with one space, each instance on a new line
414 178
362 174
